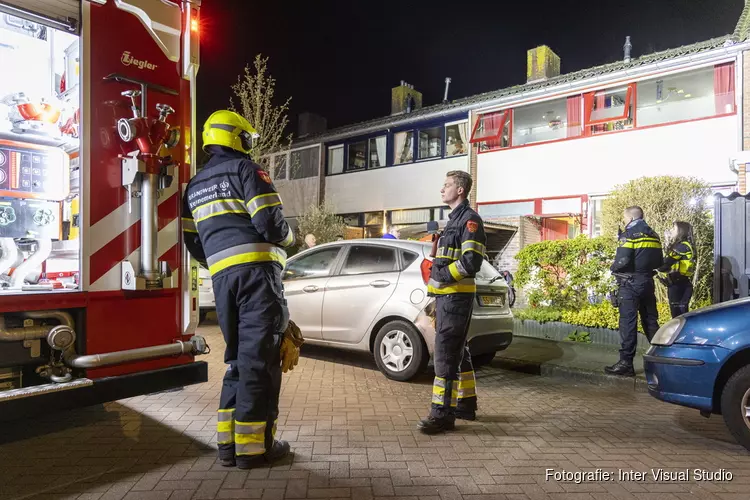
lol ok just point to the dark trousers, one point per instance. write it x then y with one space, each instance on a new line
679 294
250 307
637 296
454 387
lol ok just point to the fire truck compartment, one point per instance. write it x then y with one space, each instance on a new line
40 245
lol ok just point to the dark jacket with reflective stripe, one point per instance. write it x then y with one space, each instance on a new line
231 214
680 260
461 249
638 251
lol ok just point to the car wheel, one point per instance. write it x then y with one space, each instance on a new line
735 406
482 359
399 351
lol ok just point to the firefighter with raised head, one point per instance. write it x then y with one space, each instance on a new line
679 267
460 252
233 224
638 256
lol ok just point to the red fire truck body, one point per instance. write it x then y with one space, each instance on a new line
98 296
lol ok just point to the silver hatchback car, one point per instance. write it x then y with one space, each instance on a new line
371 295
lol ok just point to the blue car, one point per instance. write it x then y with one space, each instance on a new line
702 360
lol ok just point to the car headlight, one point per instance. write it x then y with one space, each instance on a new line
667 334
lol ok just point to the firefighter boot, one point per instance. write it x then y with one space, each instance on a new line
621 368
278 450
435 425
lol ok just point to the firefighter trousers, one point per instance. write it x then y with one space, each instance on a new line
679 294
454 388
637 296
250 306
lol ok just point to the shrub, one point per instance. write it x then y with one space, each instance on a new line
321 221
602 315
565 273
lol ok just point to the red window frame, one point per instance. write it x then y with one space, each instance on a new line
588 101
493 135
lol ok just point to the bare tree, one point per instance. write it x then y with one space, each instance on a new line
255 91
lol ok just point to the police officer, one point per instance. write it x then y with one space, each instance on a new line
679 266
638 256
460 251
233 224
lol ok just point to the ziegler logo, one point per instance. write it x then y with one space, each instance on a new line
129 60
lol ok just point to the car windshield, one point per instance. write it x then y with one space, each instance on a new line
487 272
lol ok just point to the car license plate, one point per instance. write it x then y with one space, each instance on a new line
492 300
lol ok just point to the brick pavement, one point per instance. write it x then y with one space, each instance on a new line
353 434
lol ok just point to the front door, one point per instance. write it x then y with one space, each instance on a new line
305 279
355 296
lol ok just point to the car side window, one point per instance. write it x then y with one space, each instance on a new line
407 258
363 259
315 265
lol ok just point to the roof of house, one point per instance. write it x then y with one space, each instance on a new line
740 34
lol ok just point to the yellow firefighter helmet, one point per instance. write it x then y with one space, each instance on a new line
229 129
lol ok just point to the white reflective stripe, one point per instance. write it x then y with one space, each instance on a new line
471 245
243 249
461 268
189 225
289 240
263 201
218 207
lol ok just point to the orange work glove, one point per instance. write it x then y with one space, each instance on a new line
290 346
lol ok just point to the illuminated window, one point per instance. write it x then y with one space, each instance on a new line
609 110
403 147
492 130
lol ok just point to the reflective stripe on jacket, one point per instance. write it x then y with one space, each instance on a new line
232 214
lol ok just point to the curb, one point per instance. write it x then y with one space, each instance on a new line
636 384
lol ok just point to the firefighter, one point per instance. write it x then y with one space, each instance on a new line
638 255
233 224
460 252
679 266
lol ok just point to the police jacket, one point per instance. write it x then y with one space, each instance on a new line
638 250
231 214
680 261
460 252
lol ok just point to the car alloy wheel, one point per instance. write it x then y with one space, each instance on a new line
396 351
745 408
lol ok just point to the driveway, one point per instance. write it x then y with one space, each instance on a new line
353 435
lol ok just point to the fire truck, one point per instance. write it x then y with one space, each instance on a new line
98 295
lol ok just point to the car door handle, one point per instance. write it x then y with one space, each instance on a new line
310 288
380 284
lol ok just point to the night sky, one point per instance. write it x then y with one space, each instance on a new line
340 58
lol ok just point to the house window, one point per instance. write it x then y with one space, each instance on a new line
378 152
456 139
492 130
609 110
357 156
279 167
304 163
687 96
512 209
431 143
546 121
335 160
403 147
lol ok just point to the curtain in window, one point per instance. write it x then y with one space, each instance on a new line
380 143
724 88
462 132
493 125
574 116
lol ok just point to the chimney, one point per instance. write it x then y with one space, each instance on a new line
404 99
627 47
541 64
309 124
447 85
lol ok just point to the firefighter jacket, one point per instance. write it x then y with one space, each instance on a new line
231 214
680 261
638 250
460 252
